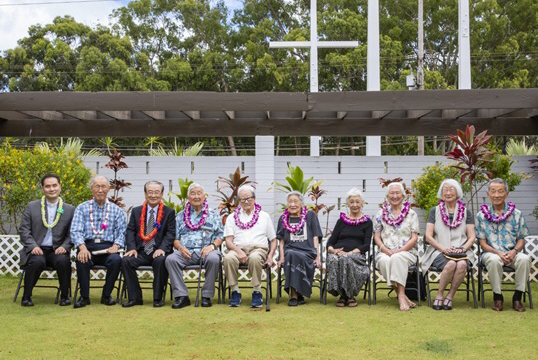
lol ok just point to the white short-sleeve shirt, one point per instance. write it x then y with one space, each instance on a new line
259 234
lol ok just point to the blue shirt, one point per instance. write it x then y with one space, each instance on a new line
192 239
504 235
50 214
81 228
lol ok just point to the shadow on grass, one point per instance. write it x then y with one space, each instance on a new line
440 347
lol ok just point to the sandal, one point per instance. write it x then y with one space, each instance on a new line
341 302
447 305
437 304
352 302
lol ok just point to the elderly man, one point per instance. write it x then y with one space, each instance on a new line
44 233
98 226
148 240
198 236
247 232
501 231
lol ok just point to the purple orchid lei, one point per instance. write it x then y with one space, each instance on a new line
497 219
187 216
346 219
458 218
293 229
399 219
252 222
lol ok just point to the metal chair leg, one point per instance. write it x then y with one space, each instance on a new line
428 291
474 290
19 286
530 295
418 285
268 289
279 285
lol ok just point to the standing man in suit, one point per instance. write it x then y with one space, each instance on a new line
148 239
44 232
98 225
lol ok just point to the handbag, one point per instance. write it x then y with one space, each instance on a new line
456 256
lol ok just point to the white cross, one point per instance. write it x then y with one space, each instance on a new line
313 44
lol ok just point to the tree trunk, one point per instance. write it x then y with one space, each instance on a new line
277 145
297 143
352 147
233 152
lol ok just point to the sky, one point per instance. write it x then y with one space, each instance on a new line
16 18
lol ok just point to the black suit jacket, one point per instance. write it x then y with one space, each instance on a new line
165 236
32 231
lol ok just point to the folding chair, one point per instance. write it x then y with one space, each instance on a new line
468 281
198 286
21 284
143 283
102 267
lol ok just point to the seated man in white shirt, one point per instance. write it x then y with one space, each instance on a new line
247 232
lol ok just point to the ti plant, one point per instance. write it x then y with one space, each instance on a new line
229 201
181 195
315 193
408 193
296 181
116 164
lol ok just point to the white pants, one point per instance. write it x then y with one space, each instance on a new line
494 264
394 268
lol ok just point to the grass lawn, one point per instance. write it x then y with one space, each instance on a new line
312 331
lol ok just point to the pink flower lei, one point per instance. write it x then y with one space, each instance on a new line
399 219
104 225
346 219
252 222
458 217
187 216
493 218
297 227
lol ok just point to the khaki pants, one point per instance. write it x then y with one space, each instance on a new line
256 258
394 268
494 264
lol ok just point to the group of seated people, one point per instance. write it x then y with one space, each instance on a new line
156 237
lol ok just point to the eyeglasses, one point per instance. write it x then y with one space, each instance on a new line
101 187
151 193
244 200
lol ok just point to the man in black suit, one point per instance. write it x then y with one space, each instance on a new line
149 237
44 232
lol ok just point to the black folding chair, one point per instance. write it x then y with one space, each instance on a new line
197 281
145 284
97 268
21 284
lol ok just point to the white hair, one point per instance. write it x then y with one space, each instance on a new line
296 193
498 181
396 184
354 192
193 186
246 187
450 182
99 177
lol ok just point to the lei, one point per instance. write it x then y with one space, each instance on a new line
346 219
252 222
297 227
458 217
187 216
156 224
59 212
493 218
104 225
399 219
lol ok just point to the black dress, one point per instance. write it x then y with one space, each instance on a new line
300 253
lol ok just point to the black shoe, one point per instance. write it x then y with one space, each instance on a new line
206 302
158 303
300 300
81 302
132 303
292 302
27 301
107 300
181 302
65 301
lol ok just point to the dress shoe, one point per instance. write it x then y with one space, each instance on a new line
518 306
292 302
158 303
107 300
132 303
437 304
497 305
81 302
27 301
300 300
206 302
181 302
64 301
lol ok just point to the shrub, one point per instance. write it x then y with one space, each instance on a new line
426 186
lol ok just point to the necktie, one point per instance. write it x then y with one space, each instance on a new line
148 246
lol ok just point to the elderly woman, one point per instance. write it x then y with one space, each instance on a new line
298 232
347 267
450 230
396 233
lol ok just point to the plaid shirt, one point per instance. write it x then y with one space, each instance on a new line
81 228
192 240
504 235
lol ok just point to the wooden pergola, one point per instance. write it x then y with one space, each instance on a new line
132 114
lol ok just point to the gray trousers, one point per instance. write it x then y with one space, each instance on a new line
175 263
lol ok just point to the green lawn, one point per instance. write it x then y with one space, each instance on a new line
312 331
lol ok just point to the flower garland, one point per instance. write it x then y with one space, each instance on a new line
497 219
104 225
156 224
293 229
252 222
187 216
399 219
458 218
346 219
59 212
